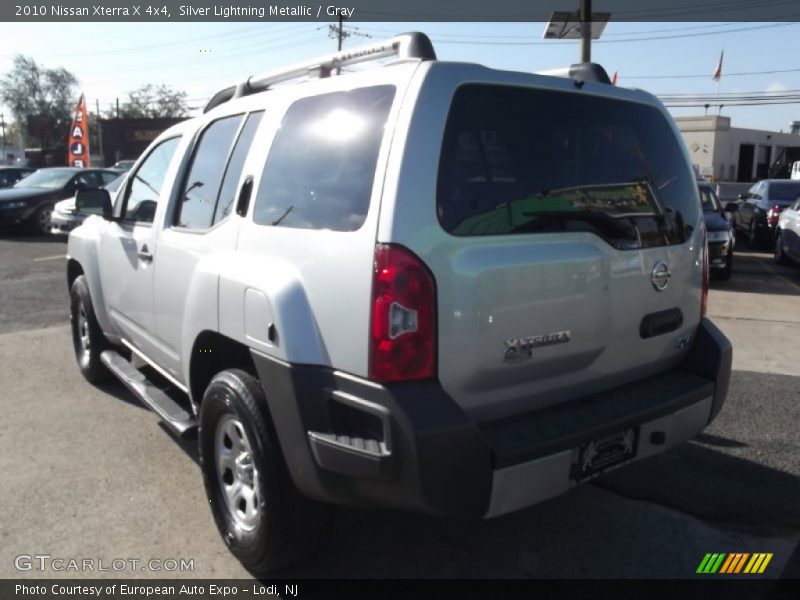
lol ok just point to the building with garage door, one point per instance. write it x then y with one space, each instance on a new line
724 153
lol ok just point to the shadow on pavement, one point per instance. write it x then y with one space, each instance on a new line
720 478
28 237
724 475
732 492
755 272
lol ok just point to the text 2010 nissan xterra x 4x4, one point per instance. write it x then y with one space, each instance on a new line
425 285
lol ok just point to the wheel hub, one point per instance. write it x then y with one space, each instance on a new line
236 473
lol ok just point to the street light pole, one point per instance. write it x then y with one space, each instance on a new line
586 30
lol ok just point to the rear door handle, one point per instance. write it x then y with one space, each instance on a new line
243 202
144 255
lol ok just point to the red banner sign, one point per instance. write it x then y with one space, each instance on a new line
78 141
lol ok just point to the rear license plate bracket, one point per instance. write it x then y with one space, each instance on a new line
598 456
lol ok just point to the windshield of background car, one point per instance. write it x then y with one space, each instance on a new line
708 200
520 161
51 179
113 186
784 191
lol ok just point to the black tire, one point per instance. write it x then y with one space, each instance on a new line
753 237
40 221
288 527
725 274
87 338
779 254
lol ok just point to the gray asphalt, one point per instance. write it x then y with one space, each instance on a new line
89 473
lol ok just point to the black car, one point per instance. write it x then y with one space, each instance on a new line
761 206
30 202
719 228
11 175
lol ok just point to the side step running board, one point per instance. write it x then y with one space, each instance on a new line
176 418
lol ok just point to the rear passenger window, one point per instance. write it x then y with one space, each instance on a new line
321 166
518 160
235 165
202 184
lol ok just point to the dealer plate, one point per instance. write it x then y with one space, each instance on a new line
601 455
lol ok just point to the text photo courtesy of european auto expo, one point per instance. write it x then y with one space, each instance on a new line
393 299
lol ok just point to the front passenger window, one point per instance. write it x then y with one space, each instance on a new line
145 184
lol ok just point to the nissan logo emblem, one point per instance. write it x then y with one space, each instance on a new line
660 275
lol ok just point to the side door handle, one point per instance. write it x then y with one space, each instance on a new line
144 254
243 203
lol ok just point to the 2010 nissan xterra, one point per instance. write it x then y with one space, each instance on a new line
423 285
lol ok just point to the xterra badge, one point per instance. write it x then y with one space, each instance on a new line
521 349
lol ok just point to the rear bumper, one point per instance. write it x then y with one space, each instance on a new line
61 223
353 442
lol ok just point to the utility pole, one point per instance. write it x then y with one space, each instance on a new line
339 33
586 30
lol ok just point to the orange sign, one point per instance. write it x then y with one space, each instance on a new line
78 141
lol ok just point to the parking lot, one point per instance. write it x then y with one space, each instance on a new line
89 473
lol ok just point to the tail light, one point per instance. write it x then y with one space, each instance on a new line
403 336
704 294
774 213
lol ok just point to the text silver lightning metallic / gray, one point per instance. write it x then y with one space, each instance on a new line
521 349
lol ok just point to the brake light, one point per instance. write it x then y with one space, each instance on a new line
704 294
774 213
403 323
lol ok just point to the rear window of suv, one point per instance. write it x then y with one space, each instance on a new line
520 161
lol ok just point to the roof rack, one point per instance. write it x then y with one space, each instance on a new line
407 45
580 72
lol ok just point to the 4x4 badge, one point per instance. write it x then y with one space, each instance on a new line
660 275
521 349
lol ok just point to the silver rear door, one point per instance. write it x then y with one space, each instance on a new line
559 213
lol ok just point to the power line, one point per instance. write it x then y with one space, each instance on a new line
500 37
473 42
707 76
248 32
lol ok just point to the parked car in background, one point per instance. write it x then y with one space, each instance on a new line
787 236
66 217
11 175
729 191
757 217
30 202
123 166
721 236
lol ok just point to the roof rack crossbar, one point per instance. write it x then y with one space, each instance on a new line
414 45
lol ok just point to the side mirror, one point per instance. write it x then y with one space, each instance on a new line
94 202
731 207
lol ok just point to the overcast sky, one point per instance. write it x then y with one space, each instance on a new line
664 58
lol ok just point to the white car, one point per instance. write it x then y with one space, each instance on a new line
787 236
65 217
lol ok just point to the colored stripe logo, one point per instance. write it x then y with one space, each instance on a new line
734 563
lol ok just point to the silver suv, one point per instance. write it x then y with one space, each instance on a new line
423 285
